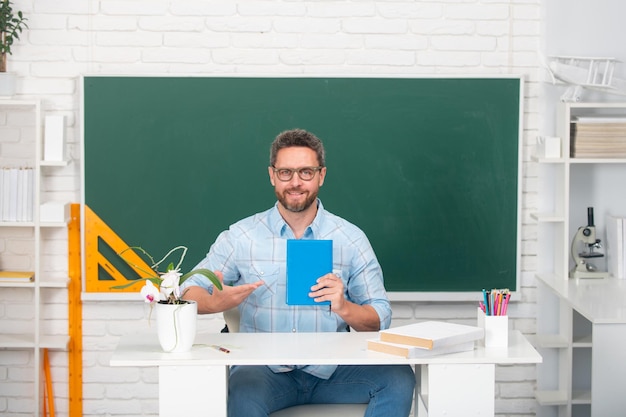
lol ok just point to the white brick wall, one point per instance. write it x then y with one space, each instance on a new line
68 38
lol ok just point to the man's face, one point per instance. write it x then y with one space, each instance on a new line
296 194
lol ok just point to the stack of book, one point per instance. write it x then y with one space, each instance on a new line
598 137
16 194
615 246
426 338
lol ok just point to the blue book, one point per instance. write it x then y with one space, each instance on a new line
307 260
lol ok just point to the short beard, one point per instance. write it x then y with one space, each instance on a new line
296 208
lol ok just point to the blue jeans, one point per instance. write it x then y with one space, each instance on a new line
256 391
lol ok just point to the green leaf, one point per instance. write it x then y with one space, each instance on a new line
10 26
156 281
205 272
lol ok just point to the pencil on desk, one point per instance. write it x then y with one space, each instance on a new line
220 348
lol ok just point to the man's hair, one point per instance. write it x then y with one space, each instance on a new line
298 137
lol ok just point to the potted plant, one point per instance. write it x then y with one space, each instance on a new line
175 317
11 26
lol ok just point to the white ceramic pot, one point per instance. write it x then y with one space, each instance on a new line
7 84
176 325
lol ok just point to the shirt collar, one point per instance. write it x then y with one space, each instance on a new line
281 228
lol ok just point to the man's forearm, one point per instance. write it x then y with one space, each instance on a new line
202 298
362 318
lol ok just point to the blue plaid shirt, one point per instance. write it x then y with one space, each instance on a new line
255 249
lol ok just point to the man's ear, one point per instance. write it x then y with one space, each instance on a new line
270 172
322 176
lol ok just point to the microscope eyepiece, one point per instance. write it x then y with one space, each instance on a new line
590 216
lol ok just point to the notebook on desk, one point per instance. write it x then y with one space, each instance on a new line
307 260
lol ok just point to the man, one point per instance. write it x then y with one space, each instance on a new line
250 257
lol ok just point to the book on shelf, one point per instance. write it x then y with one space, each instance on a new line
432 334
16 276
408 351
599 120
26 191
12 195
579 152
598 137
615 246
16 194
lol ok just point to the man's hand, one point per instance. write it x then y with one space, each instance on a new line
359 317
329 288
219 301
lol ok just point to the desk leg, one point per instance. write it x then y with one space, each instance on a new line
457 390
193 391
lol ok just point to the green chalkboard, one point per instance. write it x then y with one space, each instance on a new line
427 167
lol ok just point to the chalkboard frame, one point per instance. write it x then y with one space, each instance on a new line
401 295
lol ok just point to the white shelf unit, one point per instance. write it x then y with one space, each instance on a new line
23 335
571 325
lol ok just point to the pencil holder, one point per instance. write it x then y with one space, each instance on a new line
496 329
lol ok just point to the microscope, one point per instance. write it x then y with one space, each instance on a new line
586 238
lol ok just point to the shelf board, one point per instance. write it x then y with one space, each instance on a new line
596 104
53 224
32 224
59 342
29 284
555 397
54 284
27 341
18 103
17 224
548 217
597 160
583 341
17 284
19 341
550 341
581 397
543 160
63 163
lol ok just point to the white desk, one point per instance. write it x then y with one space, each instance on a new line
191 383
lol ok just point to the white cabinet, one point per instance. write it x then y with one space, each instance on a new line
26 324
575 316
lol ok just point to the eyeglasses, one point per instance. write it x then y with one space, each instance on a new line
305 173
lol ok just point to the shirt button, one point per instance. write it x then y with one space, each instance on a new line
293 330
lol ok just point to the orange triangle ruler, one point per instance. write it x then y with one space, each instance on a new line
95 230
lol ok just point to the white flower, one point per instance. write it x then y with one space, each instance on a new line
170 283
150 292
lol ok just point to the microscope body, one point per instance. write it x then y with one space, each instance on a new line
586 237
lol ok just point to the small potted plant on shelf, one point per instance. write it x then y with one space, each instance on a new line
11 26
